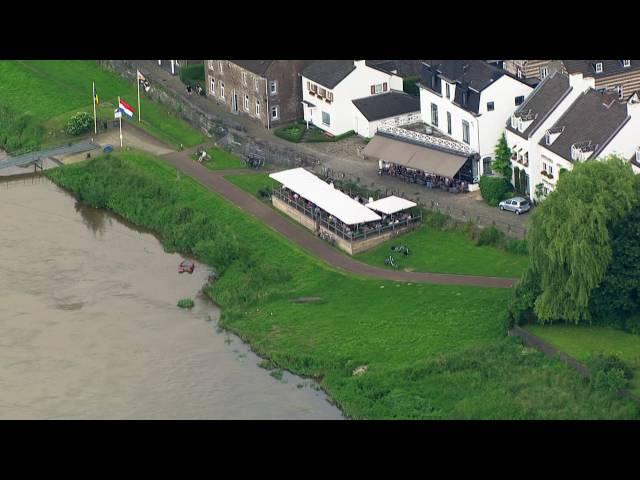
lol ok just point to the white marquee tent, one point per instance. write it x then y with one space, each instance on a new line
390 205
332 201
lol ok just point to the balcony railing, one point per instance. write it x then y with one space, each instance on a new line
427 139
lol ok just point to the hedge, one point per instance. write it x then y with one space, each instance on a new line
494 189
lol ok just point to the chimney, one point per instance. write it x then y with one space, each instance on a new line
580 83
359 63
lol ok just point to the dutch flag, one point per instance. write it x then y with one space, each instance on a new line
125 108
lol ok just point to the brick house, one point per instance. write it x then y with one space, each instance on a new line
269 91
619 76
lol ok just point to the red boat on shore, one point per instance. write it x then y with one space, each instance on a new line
186 266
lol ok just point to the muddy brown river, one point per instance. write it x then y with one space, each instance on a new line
89 327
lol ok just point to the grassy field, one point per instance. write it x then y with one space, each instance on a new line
433 250
222 160
581 342
253 182
431 351
49 92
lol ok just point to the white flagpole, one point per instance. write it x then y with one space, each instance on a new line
138 81
120 123
95 119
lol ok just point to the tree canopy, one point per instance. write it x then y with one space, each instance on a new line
570 240
502 162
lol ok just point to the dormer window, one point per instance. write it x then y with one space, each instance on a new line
514 121
626 63
599 67
465 98
447 90
547 138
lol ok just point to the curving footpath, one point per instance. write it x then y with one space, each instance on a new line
214 181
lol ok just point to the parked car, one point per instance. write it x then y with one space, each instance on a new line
517 205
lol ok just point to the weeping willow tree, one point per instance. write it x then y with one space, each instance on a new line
570 240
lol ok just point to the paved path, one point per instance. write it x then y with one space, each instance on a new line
342 157
214 180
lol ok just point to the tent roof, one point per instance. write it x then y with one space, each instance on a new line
391 205
332 201
419 157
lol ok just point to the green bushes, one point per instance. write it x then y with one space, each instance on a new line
494 189
609 373
186 303
18 132
410 85
80 123
193 75
292 133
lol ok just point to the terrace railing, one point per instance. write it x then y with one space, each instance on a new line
431 140
348 235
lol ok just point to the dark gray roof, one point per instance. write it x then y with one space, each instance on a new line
542 102
472 76
385 105
405 68
329 73
593 119
609 67
259 67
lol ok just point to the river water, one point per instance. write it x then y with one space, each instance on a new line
89 327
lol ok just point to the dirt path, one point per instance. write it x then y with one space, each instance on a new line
214 181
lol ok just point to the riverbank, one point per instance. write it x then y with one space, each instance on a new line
90 328
381 349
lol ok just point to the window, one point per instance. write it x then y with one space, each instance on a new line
273 87
322 92
449 123
379 88
212 86
598 67
620 89
434 115
244 78
550 169
255 84
257 108
329 96
544 71
465 98
222 90
326 119
519 100
626 63
465 132
246 103
518 72
490 106
211 64
275 112
544 166
486 166
447 90
220 66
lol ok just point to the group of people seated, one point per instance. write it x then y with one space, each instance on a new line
421 177
348 231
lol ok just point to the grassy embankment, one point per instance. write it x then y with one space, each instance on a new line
584 342
221 160
37 98
432 351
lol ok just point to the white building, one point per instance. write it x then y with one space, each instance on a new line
566 121
470 101
329 88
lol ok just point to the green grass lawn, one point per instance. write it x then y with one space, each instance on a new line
439 251
50 91
253 182
581 342
222 160
432 351
292 132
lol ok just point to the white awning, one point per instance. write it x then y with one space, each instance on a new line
390 205
332 201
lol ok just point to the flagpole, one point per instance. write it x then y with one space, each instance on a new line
95 119
138 81
120 123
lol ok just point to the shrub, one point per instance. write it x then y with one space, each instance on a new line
292 133
185 303
519 247
610 380
80 123
490 236
192 74
410 85
494 189
605 363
